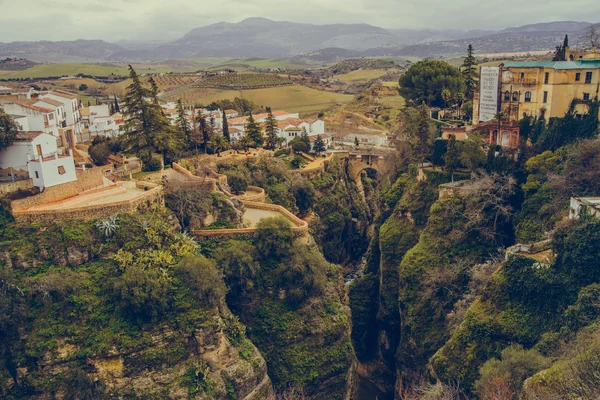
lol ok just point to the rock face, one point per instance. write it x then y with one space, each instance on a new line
172 364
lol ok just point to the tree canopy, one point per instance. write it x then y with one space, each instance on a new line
425 81
8 130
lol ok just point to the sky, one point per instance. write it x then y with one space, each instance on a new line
112 20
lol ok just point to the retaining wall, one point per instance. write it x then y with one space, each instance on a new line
254 193
144 200
299 228
9 187
86 180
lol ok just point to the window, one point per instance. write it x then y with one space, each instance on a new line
546 77
522 75
61 170
588 77
578 77
527 97
507 96
545 97
37 175
586 96
515 96
51 116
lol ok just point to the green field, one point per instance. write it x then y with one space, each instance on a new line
242 64
294 98
364 75
58 70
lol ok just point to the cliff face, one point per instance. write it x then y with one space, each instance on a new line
91 313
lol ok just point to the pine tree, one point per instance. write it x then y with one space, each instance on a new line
451 157
319 145
226 128
197 133
117 105
356 142
304 138
253 130
203 134
146 129
469 72
271 130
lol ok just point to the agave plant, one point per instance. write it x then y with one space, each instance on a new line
108 226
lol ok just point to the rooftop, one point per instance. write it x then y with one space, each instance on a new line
27 136
64 93
30 104
51 102
557 65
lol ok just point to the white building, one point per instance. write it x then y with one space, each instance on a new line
38 154
39 119
374 139
591 205
71 108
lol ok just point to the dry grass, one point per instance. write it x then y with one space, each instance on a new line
364 75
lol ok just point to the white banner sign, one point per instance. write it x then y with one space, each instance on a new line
488 93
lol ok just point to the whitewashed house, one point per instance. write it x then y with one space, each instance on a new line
71 108
39 119
37 153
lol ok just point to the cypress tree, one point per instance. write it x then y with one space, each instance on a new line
226 128
304 138
469 72
182 122
116 105
271 130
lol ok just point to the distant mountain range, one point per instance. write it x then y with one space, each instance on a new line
261 37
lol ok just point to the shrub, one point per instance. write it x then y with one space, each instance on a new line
99 153
282 152
203 279
302 275
274 238
83 87
152 165
237 182
509 373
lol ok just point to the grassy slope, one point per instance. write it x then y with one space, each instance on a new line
364 75
291 98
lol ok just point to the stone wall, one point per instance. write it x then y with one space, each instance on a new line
153 195
86 180
300 227
254 193
9 187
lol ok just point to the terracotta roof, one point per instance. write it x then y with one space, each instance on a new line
64 93
231 112
29 104
85 111
27 136
234 130
323 136
50 101
242 120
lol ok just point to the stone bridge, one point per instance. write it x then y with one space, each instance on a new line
358 162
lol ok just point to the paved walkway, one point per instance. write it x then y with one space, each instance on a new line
253 215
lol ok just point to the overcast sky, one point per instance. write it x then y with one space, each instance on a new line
169 19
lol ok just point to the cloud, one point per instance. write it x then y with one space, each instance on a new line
158 19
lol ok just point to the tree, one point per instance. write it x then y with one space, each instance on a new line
356 142
469 73
422 140
425 80
561 51
117 109
319 145
245 142
83 87
451 157
592 35
182 122
146 129
304 138
271 130
8 130
226 127
472 154
218 143
274 238
99 153
254 132
298 145
240 269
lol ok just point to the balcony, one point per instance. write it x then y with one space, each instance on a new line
48 156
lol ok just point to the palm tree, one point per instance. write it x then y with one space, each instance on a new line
218 143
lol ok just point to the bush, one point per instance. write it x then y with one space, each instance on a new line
508 374
237 182
99 153
83 87
298 145
203 279
152 165
274 238
302 275
282 152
